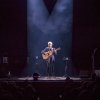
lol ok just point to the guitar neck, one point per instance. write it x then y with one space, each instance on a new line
57 49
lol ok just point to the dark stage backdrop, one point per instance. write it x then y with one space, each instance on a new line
13 35
86 34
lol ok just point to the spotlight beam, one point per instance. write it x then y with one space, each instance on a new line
43 26
60 20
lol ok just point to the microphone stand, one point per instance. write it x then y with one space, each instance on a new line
93 62
36 64
66 66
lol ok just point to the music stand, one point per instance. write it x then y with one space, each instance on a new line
37 65
66 66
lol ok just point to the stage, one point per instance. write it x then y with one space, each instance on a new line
49 78
44 79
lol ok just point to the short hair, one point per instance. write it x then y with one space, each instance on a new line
50 43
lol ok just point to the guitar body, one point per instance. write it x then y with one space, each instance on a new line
48 54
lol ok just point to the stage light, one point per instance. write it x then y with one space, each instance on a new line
36 76
67 78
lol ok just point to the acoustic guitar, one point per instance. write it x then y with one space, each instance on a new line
48 54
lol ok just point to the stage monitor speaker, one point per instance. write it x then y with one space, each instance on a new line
85 74
36 76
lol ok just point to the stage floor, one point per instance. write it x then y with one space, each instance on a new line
42 78
49 78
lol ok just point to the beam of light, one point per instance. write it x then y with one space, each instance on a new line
43 27
37 16
61 19
37 13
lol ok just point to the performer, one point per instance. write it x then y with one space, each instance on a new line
48 55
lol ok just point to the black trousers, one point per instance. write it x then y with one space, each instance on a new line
50 68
